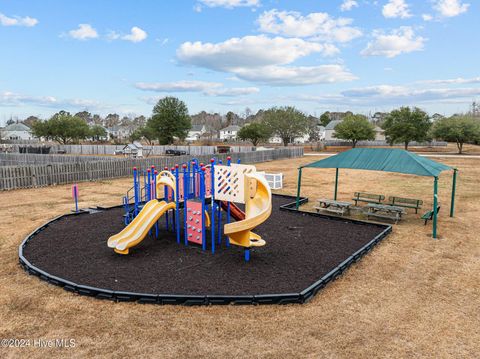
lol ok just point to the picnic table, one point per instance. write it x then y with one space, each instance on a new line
384 211
333 206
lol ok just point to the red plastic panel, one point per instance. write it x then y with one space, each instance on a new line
194 222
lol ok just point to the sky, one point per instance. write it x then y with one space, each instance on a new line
229 55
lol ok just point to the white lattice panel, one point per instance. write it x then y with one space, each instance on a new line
230 182
275 180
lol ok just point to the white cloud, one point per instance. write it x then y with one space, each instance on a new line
17 21
247 52
179 86
230 4
265 61
348 5
456 81
396 8
408 94
13 99
450 8
84 32
427 17
319 25
398 41
205 87
136 35
233 91
389 95
296 75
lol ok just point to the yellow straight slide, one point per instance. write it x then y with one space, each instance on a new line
137 230
258 207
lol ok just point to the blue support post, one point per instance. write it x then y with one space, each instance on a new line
75 196
202 196
165 196
227 240
212 224
154 194
135 190
185 200
177 204
148 186
247 254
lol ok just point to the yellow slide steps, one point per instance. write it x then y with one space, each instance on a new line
258 207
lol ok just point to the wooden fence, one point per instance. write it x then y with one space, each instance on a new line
55 173
110 149
384 143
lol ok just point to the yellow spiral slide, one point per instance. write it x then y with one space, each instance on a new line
153 210
258 207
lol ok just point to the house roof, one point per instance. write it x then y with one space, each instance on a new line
131 146
197 128
331 125
383 159
17 127
231 128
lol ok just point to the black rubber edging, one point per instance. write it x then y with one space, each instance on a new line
188 300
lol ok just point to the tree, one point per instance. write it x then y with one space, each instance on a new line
312 130
458 129
254 132
355 128
325 119
229 118
62 127
96 132
406 125
84 115
286 123
112 119
30 120
170 119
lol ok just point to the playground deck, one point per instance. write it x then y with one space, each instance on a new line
301 250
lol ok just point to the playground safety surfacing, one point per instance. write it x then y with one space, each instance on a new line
304 252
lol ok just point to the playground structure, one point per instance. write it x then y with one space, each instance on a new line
192 200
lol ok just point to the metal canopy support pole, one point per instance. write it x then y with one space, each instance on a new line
336 184
435 204
299 184
454 185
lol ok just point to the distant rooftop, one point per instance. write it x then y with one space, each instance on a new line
17 127
331 125
231 128
197 128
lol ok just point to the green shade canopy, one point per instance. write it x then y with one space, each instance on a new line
382 159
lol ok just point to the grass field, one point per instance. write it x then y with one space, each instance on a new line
410 297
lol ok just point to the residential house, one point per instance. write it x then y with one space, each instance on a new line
17 131
134 150
196 132
119 132
229 133
330 130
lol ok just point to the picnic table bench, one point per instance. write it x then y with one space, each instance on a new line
367 197
405 202
333 206
428 216
384 211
